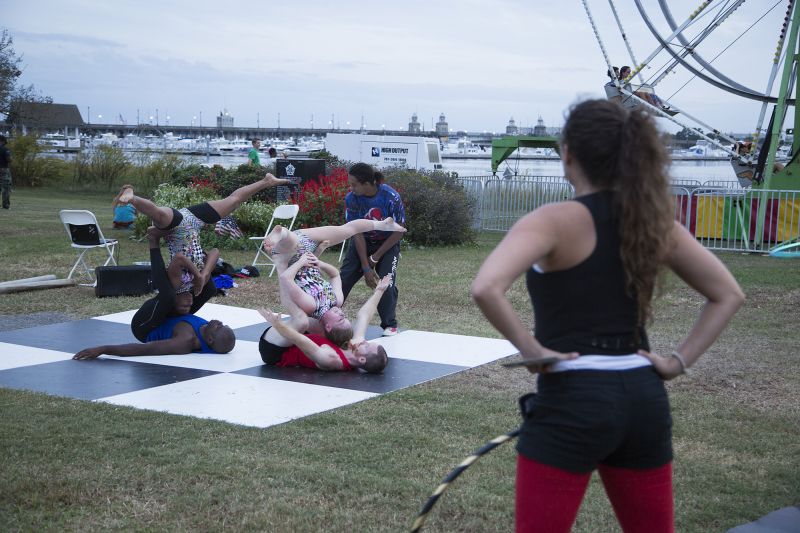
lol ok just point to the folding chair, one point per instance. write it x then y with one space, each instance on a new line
282 212
85 234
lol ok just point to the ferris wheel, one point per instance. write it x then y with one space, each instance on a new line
688 47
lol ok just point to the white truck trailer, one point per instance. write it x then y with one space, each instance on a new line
384 151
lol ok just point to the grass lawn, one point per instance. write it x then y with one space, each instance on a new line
76 465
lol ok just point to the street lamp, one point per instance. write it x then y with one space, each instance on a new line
193 119
99 118
167 120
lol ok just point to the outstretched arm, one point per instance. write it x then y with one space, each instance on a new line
367 310
166 347
323 356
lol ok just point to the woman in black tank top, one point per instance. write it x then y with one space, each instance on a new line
591 266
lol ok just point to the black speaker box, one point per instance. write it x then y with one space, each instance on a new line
128 280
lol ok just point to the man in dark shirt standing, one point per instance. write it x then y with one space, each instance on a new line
5 172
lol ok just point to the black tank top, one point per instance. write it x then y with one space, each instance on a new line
586 308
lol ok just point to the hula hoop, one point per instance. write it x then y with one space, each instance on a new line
457 471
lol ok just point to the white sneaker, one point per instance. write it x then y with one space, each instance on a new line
388 332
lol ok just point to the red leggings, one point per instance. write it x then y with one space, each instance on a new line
548 498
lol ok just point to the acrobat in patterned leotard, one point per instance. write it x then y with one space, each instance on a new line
310 278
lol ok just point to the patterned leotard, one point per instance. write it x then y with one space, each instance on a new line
185 239
310 278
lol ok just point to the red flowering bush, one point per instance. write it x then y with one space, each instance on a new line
322 201
200 183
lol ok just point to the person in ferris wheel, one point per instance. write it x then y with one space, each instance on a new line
644 92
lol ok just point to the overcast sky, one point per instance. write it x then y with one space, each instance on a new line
477 62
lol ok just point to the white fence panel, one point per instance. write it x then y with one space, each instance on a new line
721 215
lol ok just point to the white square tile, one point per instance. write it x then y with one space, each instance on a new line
15 355
446 348
123 317
246 400
235 317
244 355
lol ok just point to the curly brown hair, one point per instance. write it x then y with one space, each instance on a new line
339 336
621 150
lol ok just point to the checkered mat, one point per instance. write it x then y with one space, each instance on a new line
235 387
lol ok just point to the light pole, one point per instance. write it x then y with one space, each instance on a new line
193 119
167 120
88 114
100 119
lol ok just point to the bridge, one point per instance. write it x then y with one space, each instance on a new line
231 133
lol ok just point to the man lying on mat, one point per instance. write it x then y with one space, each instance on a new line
283 345
177 335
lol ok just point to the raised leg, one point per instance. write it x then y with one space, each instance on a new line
337 234
161 216
228 205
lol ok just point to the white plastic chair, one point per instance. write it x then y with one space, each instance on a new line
282 212
85 234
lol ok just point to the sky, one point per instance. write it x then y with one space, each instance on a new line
479 63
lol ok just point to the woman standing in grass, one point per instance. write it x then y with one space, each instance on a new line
591 266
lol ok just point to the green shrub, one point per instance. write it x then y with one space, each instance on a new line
226 180
149 170
104 165
253 217
438 209
28 167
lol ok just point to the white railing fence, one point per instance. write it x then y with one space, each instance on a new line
721 215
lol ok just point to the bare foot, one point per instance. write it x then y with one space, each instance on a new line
125 194
388 224
324 245
272 239
271 181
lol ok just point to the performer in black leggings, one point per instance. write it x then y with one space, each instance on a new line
591 265
167 303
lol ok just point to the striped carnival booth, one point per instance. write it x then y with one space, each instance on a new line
731 215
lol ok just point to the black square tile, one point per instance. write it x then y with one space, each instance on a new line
97 378
71 337
399 374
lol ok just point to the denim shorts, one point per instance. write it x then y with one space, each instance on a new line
583 418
